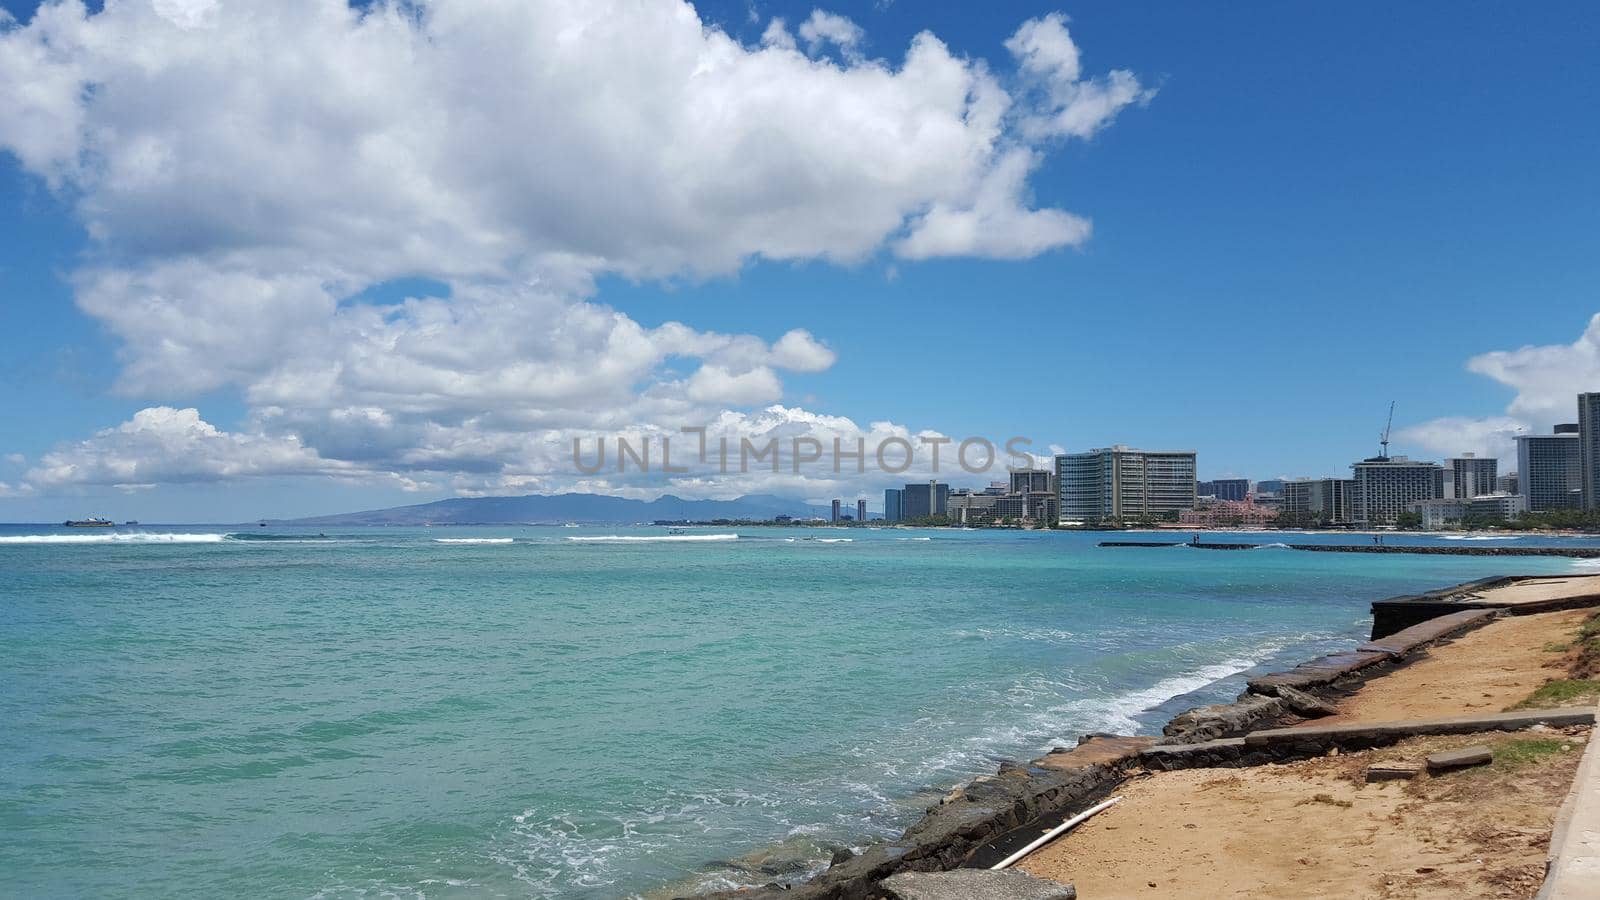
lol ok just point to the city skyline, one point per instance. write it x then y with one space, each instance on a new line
1240 231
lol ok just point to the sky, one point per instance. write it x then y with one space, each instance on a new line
304 257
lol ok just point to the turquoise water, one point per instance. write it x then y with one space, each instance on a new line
380 713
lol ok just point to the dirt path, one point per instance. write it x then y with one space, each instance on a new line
1315 829
1485 670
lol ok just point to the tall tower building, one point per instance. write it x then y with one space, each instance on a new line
1589 448
1123 484
835 511
1383 487
1550 469
1472 476
861 510
894 505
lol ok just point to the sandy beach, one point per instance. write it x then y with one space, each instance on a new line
1316 828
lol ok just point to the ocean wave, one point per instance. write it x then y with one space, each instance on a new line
915 539
836 540
1586 564
650 538
499 540
131 537
1272 546
1119 713
1481 537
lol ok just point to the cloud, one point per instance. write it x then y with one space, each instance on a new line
995 222
1071 105
254 176
1453 435
165 445
800 352
1547 380
716 385
828 28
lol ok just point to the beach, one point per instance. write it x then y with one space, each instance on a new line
1312 782
1316 828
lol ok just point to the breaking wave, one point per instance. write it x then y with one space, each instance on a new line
499 540
650 538
132 537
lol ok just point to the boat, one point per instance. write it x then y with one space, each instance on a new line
91 522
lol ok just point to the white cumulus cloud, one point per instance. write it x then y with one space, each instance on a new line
1547 380
255 177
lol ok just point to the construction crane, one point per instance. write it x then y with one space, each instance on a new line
1386 426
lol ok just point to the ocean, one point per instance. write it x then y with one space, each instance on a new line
589 712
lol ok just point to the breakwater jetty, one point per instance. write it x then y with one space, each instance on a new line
1429 550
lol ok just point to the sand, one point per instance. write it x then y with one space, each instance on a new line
1315 829
1486 670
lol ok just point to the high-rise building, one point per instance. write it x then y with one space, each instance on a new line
894 505
1325 500
1270 486
1386 486
835 511
1506 484
1589 448
861 510
1471 476
1550 469
919 501
1123 484
1235 489
1033 481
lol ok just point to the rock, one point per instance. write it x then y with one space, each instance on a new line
842 855
1457 759
1211 722
1392 771
1305 704
975 884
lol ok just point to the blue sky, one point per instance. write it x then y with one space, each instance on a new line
1318 211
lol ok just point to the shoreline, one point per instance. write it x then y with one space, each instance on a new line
992 815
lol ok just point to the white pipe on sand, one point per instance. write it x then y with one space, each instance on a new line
1055 832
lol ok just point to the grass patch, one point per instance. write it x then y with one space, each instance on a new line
1525 752
1554 647
1561 692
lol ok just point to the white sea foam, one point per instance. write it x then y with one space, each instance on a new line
130 537
651 538
1586 564
835 540
1481 537
915 539
1273 546
1119 714
501 540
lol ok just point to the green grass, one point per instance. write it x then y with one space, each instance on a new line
1557 648
1562 692
1520 753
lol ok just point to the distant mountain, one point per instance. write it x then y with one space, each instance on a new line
559 508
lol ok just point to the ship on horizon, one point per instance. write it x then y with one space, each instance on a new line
91 522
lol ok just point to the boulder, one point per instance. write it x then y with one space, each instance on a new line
1305 704
1208 723
975 884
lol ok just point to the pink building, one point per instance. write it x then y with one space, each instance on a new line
1229 512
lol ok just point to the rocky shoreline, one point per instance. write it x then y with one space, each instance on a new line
993 815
